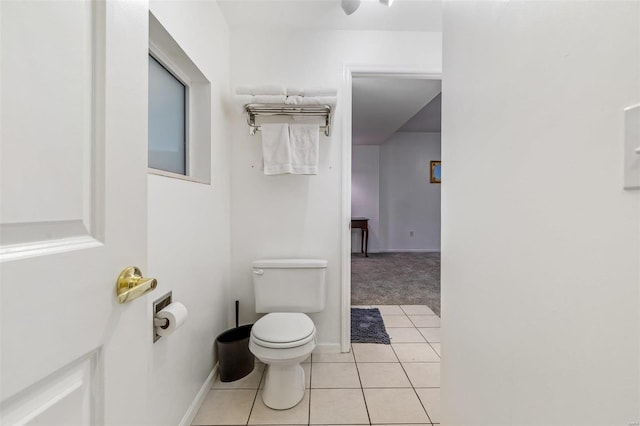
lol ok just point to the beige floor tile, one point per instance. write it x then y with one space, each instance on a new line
383 375
436 347
423 374
339 357
417 310
225 407
431 334
334 375
415 352
405 335
263 415
338 406
396 321
250 381
361 306
425 320
431 400
373 352
394 406
389 309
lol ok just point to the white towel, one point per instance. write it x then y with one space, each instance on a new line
241 100
304 148
268 89
315 100
243 90
276 148
269 99
295 91
320 91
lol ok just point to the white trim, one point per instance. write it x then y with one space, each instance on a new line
45 248
158 54
199 399
348 73
345 315
159 172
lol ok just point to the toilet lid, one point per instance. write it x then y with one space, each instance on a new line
283 327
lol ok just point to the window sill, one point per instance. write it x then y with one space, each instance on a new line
164 173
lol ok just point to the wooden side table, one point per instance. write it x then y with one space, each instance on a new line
362 223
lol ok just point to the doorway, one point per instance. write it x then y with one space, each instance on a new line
393 123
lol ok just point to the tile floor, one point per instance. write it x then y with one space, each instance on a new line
375 384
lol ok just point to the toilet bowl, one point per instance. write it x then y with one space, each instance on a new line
282 340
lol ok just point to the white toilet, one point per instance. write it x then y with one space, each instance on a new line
286 289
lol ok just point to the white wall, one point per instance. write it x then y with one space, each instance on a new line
301 215
365 194
540 243
189 227
390 185
408 202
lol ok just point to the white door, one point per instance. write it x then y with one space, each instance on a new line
73 211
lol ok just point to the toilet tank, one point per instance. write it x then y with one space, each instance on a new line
290 285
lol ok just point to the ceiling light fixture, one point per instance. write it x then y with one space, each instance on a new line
350 6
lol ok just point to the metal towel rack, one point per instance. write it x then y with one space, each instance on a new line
254 110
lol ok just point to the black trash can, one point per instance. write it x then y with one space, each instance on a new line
234 357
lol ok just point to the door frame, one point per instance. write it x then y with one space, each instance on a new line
349 72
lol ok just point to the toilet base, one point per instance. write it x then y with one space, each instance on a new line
284 386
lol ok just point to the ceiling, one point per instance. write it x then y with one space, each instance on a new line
383 105
427 120
403 15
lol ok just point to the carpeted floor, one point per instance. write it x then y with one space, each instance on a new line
396 279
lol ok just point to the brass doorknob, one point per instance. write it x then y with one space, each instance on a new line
131 284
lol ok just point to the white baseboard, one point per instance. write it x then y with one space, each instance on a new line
401 251
327 348
410 251
199 399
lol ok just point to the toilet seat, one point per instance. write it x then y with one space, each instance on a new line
282 330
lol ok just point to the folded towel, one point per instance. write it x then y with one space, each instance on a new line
243 90
295 91
320 91
269 99
261 90
304 148
315 100
276 149
240 101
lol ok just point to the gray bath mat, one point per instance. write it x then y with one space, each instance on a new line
367 326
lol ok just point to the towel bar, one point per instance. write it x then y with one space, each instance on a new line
254 110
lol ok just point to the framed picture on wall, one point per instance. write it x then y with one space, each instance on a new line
435 176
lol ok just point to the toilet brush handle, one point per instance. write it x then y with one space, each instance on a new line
237 311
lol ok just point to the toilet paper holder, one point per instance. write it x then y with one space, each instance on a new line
159 305
160 322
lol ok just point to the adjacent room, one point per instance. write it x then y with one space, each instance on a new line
395 191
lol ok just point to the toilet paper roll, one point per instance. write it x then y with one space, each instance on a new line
176 313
